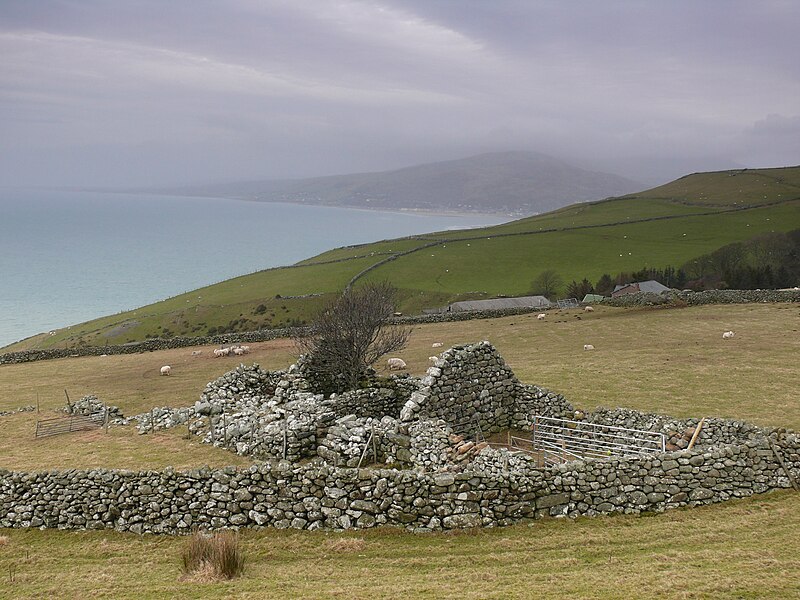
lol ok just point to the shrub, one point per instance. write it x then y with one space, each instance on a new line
214 557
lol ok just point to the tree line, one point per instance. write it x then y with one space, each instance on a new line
767 261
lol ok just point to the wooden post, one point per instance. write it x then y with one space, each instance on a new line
105 420
792 482
188 425
696 433
374 445
152 422
37 403
69 404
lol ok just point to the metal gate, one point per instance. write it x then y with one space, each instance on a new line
562 440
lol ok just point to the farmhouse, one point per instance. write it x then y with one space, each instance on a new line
652 286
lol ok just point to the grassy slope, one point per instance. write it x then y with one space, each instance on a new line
670 360
494 262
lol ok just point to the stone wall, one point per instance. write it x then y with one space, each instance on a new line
471 387
318 496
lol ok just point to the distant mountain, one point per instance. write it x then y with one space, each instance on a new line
519 183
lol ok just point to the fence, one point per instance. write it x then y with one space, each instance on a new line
562 440
70 423
567 303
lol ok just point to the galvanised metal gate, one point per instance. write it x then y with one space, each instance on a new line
562 440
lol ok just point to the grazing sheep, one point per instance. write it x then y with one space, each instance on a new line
166 369
238 351
196 352
541 316
728 335
437 345
245 349
219 352
588 347
396 364
588 309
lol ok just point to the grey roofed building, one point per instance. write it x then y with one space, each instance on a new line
651 285
500 303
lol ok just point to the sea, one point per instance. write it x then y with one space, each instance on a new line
71 256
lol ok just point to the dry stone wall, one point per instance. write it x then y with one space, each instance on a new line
440 480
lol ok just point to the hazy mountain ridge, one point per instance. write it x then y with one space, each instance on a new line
504 182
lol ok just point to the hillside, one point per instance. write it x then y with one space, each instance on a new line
521 183
652 228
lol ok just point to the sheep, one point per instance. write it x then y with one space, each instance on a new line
588 309
437 345
728 335
541 316
196 352
396 364
238 351
245 349
219 352
588 347
166 369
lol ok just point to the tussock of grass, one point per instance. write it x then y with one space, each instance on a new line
214 557
4 540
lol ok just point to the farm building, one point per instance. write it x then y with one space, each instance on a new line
499 304
652 286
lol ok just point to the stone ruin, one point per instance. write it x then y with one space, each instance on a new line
406 452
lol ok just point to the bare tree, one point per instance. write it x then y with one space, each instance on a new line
548 284
350 335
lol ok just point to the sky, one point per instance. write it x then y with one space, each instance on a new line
148 92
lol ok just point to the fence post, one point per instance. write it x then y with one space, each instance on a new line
105 420
152 422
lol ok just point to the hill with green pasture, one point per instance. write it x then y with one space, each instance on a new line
667 225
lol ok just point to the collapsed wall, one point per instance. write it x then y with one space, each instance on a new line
438 479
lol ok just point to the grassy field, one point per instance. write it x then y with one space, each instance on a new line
742 549
669 360
697 214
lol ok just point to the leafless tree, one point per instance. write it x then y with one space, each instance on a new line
548 284
350 335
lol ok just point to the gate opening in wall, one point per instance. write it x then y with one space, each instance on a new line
562 440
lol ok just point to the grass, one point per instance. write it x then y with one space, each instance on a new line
741 549
489 264
212 557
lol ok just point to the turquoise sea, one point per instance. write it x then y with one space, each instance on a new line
67 257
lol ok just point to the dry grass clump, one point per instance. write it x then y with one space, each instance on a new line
4 540
212 557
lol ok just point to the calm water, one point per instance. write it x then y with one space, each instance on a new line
67 257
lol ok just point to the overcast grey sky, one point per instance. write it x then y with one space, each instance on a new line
153 92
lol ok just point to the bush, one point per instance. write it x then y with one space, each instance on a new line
213 557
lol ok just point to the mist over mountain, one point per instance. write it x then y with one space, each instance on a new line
518 183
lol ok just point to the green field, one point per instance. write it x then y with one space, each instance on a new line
672 361
669 225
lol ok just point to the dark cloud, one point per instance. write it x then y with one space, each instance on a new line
153 92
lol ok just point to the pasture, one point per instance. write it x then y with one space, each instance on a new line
667 360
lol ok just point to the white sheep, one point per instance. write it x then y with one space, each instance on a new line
245 349
238 351
166 369
728 335
588 347
541 316
396 364
588 309
196 352
220 352
437 345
